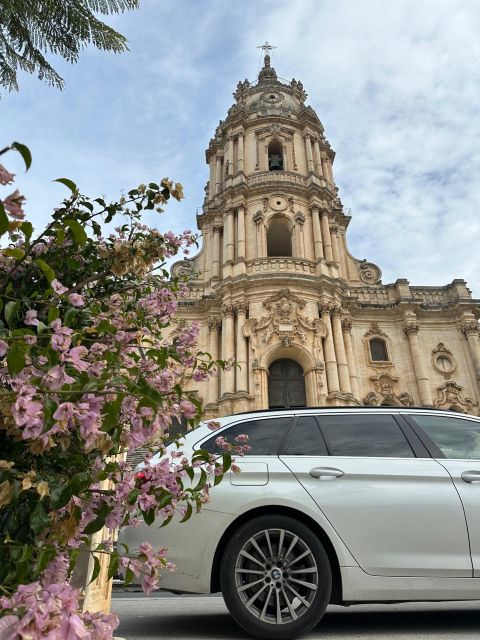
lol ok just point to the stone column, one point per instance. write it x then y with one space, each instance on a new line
325 169
228 236
317 161
327 241
329 351
341 249
330 171
347 339
212 385
242 372
317 233
411 329
260 233
260 375
230 157
300 240
343 374
336 255
228 347
241 231
211 182
240 154
216 252
470 330
218 172
308 147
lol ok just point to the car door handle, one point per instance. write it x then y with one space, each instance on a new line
471 476
330 472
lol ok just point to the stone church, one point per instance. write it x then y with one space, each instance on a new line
276 289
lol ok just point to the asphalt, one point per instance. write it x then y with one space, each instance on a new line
167 617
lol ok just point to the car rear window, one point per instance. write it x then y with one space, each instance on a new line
457 438
264 435
307 439
374 436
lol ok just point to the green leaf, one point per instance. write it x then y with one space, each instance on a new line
129 576
227 462
16 357
70 317
39 519
60 496
47 271
27 229
46 554
3 220
53 314
96 569
188 513
113 566
149 516
166 521
24 152
14 253
11 310
202 482
68 183
77 230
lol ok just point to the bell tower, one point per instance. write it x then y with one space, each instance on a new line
274 286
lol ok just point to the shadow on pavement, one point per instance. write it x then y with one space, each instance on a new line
337 622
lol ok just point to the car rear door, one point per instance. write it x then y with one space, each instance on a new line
455 442
398 514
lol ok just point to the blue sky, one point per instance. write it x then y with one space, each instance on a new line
396 85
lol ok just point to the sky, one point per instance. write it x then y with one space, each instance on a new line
395 84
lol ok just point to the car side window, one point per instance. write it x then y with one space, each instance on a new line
307 439
264 436
457 438
374 436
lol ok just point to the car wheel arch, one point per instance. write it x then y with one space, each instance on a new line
336 597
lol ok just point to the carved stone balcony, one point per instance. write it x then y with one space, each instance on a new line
279 265
263 177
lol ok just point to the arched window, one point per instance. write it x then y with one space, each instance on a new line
275 156
279 239
378 350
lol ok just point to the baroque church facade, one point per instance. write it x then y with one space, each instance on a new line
276 289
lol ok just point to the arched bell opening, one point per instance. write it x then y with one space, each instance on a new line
279 238
275 156
286 385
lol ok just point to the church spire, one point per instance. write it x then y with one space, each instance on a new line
267 73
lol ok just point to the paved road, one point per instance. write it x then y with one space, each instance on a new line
202 618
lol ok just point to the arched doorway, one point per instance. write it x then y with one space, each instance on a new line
286 385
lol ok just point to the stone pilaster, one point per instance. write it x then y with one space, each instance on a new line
343 374
230 157
242 360
327 240
329 350
218 173
240 155
347 339
317 233
228 236
411 329
212 387
470 330
216 252
308 148
241 231
228 347
317 161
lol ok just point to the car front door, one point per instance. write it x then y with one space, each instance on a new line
398 514
457 442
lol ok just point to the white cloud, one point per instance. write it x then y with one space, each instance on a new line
395 84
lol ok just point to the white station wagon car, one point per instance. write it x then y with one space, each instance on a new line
333 505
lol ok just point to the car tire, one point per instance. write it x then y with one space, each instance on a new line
275 577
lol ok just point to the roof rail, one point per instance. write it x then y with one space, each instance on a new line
353 406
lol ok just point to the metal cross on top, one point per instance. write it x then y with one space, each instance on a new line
266 48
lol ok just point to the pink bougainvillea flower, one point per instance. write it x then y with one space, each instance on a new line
76 300
13 204
56 377
5 176
58 287
31 318
188 409
3 348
